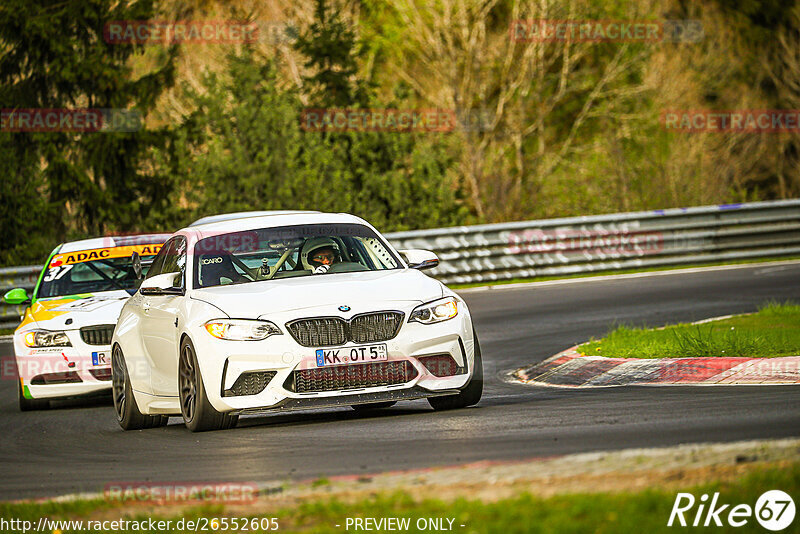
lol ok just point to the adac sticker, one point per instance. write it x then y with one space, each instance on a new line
70 258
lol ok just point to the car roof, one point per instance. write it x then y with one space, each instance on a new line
113 241
273 220
243 215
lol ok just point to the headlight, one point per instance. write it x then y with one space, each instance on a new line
241 329
435 312
46 338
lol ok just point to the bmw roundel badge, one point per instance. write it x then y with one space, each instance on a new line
344 308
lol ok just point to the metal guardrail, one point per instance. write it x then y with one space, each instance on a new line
554 247
11 277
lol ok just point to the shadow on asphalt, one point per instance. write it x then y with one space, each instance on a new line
83 402
498 394
310 418
78 403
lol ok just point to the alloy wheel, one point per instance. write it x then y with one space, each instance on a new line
187 381
118 382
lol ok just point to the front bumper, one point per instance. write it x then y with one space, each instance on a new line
57 372
293 404
223 362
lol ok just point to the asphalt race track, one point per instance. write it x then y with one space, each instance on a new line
78 447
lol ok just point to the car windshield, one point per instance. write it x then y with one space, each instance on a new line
92 271
288 252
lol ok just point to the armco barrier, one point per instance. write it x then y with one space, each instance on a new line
12 277
679 236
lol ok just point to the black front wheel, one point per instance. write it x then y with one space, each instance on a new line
198 414
128 415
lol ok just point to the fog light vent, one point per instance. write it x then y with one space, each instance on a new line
442 365
250 383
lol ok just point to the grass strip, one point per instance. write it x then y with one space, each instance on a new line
773 331
635 512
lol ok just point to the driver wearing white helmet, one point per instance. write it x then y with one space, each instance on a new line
321 253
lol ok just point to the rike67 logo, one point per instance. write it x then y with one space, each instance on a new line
774 510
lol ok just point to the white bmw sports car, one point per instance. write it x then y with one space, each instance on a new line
286 312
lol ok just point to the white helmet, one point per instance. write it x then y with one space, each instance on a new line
314 244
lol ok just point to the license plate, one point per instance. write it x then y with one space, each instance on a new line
100 358
350 355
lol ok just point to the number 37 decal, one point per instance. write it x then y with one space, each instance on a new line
56 273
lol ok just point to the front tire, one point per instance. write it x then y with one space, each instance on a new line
471 393
198 414
128 415
28 405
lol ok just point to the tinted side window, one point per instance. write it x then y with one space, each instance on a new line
172 259
158 263
176 261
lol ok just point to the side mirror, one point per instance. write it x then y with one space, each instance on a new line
136 264
17 296
161 284
420 259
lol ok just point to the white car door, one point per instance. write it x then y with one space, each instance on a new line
160 323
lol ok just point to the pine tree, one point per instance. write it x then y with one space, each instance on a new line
54 55
332 53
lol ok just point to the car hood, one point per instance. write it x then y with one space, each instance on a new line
254 299
84 310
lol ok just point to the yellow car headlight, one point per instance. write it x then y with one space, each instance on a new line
46 338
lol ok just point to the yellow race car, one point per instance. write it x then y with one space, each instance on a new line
62 347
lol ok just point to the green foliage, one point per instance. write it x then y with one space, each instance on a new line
65 184
29 221
577 132
252 154
332 55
